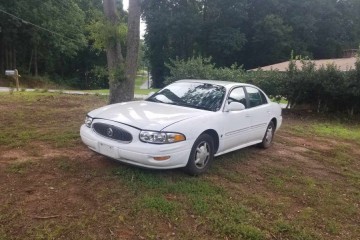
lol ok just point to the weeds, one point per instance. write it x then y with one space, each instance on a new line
159 204
19 167
336 130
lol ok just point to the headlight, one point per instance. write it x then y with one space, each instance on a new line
161 137
88 121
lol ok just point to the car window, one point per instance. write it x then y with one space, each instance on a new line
255 98
263 98
238 95
191 94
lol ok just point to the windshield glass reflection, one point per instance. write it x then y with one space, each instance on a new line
194 95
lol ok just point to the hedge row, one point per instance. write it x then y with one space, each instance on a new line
325 90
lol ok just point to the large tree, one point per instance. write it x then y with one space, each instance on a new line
173 31
251 33
40 35
122 70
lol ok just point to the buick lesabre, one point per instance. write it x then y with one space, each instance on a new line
184 125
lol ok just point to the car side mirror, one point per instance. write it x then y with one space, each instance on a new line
234 106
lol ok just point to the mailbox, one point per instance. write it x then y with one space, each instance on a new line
10 73
15 74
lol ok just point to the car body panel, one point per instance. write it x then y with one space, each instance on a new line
235 129
146 115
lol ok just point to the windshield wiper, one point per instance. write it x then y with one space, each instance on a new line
202 108
154 100
178 104
189 105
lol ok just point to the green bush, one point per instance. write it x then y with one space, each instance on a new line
327 89
202 68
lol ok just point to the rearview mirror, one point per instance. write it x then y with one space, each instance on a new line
234 106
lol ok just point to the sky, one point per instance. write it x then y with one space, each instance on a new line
142 24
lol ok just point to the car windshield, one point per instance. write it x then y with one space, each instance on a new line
191 94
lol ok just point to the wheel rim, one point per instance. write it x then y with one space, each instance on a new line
202 155
269 135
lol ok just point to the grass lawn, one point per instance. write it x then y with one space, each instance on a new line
306 186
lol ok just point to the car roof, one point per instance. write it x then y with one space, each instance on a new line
216 82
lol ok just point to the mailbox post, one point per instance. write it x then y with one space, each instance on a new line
15 75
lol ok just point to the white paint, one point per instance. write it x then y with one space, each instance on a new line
10 73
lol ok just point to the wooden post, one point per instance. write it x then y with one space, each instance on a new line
16 76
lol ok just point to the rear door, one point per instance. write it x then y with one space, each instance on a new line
259 111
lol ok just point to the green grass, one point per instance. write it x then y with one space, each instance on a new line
138 82
55 121
19 167
278 193
159 204
196 196
137 91
337 130
65 164
287 230
329 129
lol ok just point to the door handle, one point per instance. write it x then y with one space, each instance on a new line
247 115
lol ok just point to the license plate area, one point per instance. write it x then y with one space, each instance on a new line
108 150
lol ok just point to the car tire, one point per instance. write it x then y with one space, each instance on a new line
201 156
269 136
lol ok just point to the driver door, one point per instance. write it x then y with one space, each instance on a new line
236 124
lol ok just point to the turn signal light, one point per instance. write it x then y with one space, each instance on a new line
163 158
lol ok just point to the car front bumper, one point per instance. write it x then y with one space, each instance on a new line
138 153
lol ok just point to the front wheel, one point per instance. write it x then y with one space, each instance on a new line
269 135
202 154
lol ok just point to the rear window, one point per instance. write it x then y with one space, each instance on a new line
256 98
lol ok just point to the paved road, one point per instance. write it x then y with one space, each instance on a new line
146 84
6 89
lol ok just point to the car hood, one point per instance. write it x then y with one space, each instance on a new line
146 115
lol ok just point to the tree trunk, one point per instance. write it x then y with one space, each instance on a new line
14 57
113 54
122 87
6 57
2 68
35 60
133 43
10 53
30 63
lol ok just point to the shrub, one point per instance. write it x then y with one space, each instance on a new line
327 89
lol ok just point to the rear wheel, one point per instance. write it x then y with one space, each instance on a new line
269 136
201 156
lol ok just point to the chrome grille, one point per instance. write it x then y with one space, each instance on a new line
112 132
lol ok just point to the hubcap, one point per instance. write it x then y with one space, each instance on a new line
202 155
269 135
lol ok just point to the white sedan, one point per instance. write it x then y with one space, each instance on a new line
185 125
